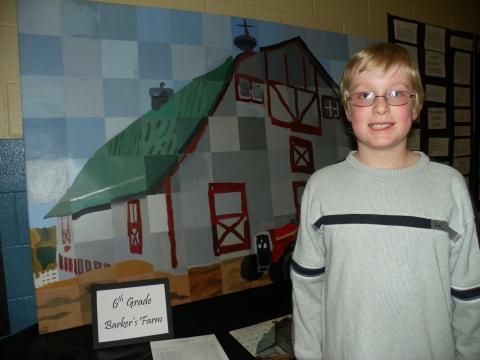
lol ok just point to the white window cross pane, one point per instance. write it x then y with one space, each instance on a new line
244 88
257 92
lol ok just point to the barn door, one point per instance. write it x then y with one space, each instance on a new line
135 237
229 217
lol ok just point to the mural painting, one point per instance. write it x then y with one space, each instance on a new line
160 150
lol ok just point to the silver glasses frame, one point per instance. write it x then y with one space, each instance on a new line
385 96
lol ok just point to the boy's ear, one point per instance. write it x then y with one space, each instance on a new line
347 112
416 111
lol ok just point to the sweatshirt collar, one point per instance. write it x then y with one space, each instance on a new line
388 173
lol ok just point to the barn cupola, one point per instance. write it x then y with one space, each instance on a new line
245 41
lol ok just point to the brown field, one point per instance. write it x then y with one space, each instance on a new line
66 304
205 281
58 308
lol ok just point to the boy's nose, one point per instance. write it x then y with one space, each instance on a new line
380 105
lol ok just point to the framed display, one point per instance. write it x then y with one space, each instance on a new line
132 312
448 64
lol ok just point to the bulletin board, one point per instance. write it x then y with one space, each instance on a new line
448 63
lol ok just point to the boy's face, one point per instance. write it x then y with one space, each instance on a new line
381 126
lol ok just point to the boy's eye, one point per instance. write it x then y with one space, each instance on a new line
395 93
365 95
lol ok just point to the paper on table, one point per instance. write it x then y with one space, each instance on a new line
262 343
204 347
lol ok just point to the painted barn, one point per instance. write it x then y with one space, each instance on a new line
193 182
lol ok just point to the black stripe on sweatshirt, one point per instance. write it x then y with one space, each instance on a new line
389 220
299 269
466 295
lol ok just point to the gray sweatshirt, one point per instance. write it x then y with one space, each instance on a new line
386 265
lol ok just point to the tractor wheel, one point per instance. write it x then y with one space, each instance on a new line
286 265
280 271
275 272
248 268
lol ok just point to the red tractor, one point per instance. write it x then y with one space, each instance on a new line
273 253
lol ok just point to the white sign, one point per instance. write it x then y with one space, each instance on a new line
438 146
434 38
436 93
126 313
434 63
405 31
437 118
461 43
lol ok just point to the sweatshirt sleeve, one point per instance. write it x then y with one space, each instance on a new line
307 276
465 289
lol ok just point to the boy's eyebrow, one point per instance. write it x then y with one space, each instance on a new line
369 87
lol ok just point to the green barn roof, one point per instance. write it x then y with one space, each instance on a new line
142 156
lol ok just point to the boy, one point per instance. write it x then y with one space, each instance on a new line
387 260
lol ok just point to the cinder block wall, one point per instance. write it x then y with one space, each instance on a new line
367 18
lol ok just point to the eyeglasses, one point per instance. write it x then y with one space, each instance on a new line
393 98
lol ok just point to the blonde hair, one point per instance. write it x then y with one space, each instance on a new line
383 56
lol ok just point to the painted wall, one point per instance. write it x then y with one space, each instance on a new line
366 18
